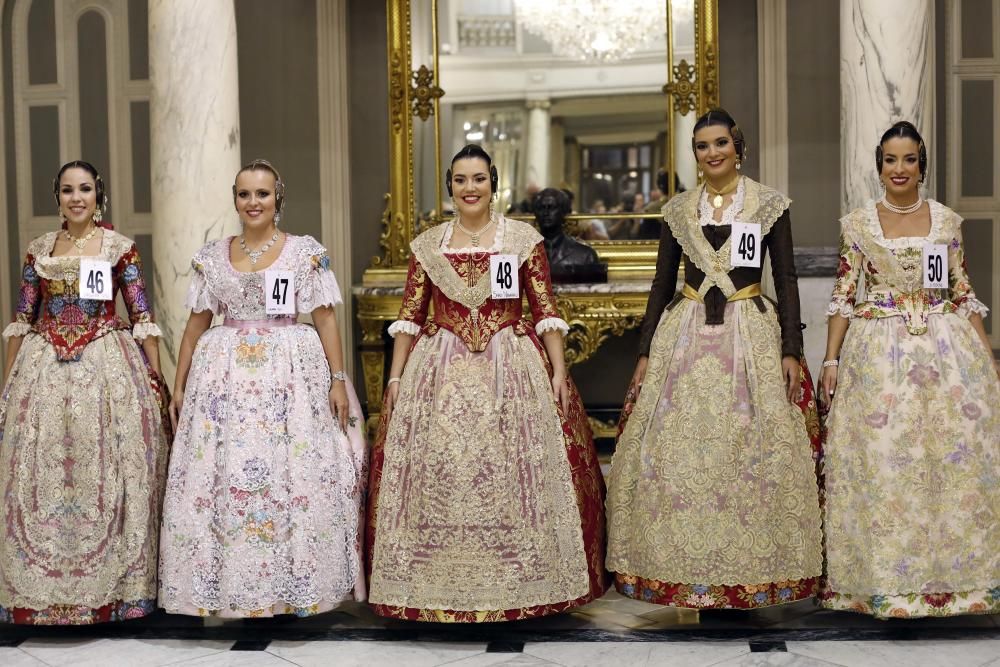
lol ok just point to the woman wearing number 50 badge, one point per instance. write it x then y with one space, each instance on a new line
712 496
83 446
913 435
486 495
264 495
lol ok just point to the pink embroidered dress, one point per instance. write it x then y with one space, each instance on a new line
912 512
82 447
265 492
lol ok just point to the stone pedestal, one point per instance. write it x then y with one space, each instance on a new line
885 75
195 152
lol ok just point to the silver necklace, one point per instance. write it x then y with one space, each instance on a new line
474 236
254 255
902 210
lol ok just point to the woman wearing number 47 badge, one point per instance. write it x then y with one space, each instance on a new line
83 446
486 495
264 495
712 496
913 435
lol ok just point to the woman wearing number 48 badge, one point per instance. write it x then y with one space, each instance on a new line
264 495
913 435
83 446
486 495
712 495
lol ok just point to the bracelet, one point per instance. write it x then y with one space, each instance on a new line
339 376
831 362
391 380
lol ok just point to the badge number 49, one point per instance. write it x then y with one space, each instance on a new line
279 292
95 279
746 250
935 266
503 277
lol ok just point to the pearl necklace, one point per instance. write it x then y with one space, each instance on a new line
902 210
80 242
474 236
254 255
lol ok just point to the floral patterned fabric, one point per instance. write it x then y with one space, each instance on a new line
485 498
83 448
264 498
913 435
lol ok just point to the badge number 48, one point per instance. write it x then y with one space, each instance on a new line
503 277
279 292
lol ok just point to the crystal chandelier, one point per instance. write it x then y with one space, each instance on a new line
601 30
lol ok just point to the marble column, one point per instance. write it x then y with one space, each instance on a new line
195 153
886 74
538 143
685 163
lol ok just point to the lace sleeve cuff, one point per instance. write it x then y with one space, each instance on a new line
973 305
143 330
16 329
552 324
199 297
404 326
840 307
319 288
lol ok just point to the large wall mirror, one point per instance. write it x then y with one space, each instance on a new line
595 97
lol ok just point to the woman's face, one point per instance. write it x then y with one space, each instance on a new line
77 195
255 198
901 168
716 153
470 185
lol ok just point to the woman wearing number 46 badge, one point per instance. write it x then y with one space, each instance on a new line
712 496
83 446
486 495
264 496
913 435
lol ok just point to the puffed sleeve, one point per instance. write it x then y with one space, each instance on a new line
537 281
416 300
786 285
318 286
199 296
962 294
29 298
668 262
845 288
133 288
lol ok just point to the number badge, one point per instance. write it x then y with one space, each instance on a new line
935 266
95 279
503 277
279 292
745 248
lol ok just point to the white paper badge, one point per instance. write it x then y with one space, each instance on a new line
746 250
279 292
95 280
935 266
503 277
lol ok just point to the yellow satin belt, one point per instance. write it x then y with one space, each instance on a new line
748 292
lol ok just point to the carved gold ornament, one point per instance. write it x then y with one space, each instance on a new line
424 92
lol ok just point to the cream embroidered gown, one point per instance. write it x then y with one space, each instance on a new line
913 435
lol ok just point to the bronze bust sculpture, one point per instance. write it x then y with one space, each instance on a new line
570 260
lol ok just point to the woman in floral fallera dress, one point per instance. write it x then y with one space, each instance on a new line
264 496
913 435
83 448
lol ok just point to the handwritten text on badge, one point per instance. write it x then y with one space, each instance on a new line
95 279
746 250
279 292
503 277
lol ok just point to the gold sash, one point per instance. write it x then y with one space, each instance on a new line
748 292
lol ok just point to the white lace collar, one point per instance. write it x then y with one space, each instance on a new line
498 238
732 213
938 216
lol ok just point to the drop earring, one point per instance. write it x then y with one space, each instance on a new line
62 216
277 218
739 165
98 216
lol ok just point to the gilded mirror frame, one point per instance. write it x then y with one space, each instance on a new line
414 97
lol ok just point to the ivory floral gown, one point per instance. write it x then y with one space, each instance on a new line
913 435
486 499
265 492
712 495
83 447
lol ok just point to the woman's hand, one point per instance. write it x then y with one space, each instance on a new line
792 371
339 403
176 402
640 374
389 398
560 390
828 383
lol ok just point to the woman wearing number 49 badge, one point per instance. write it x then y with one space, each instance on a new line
264 495
712 496
913 435
486 496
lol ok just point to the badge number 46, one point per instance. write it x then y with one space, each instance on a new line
746 250
279 292
95 279
935 266
503 277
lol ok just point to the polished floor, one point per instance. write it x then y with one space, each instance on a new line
611 631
